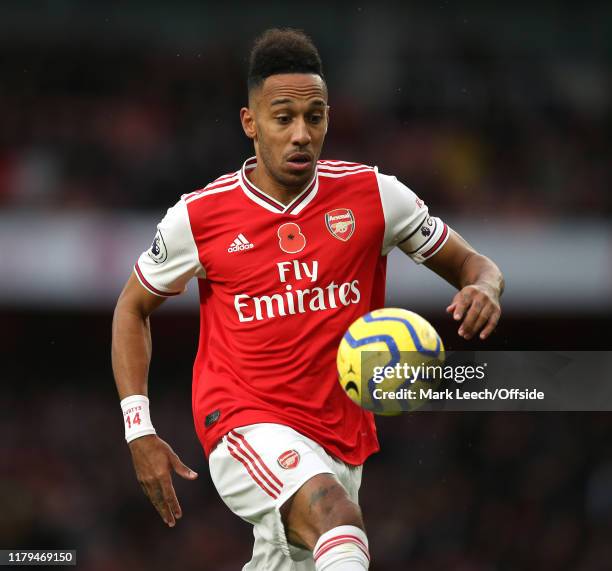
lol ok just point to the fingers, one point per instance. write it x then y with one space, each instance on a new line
491 325
171 503
477 310
161 494
182 470
154 462
459 305
478 322
162 507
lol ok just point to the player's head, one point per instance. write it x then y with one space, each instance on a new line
287 115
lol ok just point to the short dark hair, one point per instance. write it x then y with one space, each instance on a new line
282 50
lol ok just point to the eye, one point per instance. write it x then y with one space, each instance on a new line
283 119
316 119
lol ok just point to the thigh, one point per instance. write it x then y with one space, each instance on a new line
256 469
321 504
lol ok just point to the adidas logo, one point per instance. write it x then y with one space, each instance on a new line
239 244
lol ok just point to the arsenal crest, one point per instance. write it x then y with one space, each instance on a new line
341 223
289 459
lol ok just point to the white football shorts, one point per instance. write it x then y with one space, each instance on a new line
256 469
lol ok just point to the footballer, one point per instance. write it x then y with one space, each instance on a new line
288 250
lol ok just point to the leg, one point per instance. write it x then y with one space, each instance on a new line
321 517
247 471
318 506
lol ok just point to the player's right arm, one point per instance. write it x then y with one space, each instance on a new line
131 348
154 460
160 272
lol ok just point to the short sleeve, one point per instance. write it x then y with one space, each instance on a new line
172 260
407 221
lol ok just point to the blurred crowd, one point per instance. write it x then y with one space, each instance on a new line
509 116
468 491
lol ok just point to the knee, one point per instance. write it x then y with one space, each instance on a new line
321 505
338 511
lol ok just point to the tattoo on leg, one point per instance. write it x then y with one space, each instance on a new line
317 496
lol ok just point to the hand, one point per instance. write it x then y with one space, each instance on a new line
478 307
154 461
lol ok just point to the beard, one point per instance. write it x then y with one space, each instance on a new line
274 167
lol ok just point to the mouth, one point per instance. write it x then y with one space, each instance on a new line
299 161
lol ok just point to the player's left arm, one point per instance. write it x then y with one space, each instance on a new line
428 240
479 281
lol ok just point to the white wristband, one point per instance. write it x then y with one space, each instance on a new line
136 417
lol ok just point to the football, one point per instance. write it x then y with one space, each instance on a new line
386 357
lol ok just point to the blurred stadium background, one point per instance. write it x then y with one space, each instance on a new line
500 117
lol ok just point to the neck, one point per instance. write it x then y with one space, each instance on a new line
262 179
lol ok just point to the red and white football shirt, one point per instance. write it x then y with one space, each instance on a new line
279 285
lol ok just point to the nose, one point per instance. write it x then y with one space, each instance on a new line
300 136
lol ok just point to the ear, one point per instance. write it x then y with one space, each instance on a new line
248 122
